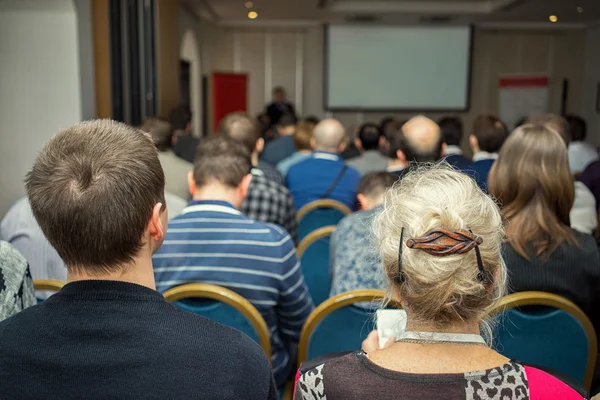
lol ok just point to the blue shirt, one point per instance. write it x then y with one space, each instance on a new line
481 170
278 150
212 242
284 166
309 180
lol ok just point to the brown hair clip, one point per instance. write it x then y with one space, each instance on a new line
444 242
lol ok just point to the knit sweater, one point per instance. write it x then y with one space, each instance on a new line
118 340
16 285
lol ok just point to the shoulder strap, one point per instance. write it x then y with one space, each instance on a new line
334 183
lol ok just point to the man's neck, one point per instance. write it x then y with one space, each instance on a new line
254 159
139 272
286 132
218 192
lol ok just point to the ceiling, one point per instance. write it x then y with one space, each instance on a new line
402 11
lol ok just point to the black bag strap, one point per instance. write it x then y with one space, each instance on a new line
334 183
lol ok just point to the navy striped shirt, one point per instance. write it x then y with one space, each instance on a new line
212 242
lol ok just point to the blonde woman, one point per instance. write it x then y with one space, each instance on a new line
440 239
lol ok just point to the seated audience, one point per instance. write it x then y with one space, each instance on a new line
354 263
282 147
581 153
176 169
212 242
266 200
16 285
583 214
446 286
301 138
97 191
419 140
590 177
487 137
324 175
350 150
184 144
279 107
312 120
532 182
452 131
369 142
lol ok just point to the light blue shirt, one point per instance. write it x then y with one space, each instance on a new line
295 158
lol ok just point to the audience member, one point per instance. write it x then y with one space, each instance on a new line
354 263
176 169
97 191
16 285
590 177
418 141
581 153
324 175
283 146
184 144
212 242
447 287
301 138
311 119
487 137
266 200
369 142
532 181
279 107
350 150
583 214
452 131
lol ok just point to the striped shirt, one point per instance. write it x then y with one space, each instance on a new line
212 242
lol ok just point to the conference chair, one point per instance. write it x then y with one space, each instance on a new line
552 332
338 325
313 253
224 306
319 213
50 285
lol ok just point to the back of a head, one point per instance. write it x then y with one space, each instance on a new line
452 130
287 120
311 119
221 159
441 289
160 130
577 127
374 184
329 135
242 128
369 135
92 190
532 181
180 117
303 135
388 126
490 133
420 140
555 123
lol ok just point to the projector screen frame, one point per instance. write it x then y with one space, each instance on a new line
328 108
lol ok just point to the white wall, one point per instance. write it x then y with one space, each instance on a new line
40 82
592 80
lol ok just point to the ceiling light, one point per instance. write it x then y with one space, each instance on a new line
249 4
252 15
553 18
579 9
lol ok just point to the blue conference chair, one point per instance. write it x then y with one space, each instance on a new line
549 331
338 325
318 214
224 306
313 253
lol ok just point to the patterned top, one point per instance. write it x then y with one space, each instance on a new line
270 172
355 377
354 260
16 285
268 201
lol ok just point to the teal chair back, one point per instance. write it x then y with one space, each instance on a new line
313 252
549 331
318 214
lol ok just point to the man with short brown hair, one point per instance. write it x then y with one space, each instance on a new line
487 137
97 192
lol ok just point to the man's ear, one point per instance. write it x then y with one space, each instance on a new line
443 153
244 185
358 144
191 183
260 145
401 157
473 143
156 228
363 200
313 143
342 146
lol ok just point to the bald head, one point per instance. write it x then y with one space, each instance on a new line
420 139
329 135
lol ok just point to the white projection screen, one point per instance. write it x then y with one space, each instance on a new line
397 68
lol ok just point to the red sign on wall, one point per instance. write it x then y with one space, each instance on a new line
229 94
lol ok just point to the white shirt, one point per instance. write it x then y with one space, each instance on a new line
452 150
484 155
581 154
583 214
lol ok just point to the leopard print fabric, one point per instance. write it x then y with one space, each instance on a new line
310 385
507 382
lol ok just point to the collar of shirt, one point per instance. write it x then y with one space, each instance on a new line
452 150
395 168
323 155
257 172
484 155
211 205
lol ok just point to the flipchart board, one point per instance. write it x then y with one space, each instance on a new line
522 96
229 94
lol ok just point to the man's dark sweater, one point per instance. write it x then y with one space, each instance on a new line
117 340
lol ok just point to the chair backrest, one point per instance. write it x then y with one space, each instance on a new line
313 253
226 307
338 325
550 332
318 214
51 285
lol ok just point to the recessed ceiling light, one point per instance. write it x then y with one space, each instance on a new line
579 9
252 15
553 18
249 4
